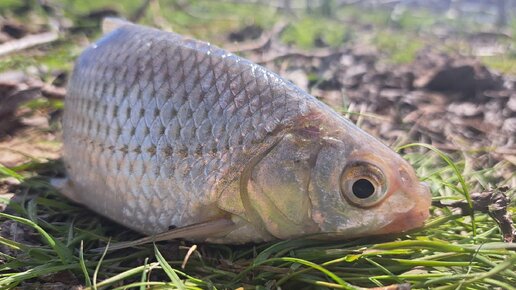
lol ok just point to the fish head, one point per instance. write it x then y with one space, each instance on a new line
338 182
360 187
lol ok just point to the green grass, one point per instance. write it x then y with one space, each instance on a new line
450 252
57 56
205 20
355 14
10 5
399 37
505 64
416 20
399 48
305 32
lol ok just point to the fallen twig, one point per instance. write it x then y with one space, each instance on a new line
16 89
12 90
13 95
53 92
28 41
494 203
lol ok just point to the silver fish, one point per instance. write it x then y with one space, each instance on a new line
176 138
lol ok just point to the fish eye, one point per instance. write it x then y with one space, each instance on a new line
362 188
363 184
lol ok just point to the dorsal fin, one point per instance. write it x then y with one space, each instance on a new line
111 23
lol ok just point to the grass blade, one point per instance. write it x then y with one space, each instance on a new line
62 251
34 272
87 279
95 274
168 270
144 275
465 190
9 172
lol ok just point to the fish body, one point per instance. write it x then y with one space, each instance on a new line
162 131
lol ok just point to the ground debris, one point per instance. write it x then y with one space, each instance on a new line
16 88
492 202
27 42
248 32
60 279
464 76
14 29
19 233
440 98
253 38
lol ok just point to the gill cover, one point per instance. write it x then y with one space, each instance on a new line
277 188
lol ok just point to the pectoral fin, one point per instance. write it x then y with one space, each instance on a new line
200 230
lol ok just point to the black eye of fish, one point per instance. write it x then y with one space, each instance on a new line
363 188
363 184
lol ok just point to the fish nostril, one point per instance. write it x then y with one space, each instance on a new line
404 176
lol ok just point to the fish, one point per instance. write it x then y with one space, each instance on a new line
174 137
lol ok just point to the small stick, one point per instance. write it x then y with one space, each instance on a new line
53 92
188 254
494 203
28 41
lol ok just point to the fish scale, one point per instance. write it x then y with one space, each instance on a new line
158 124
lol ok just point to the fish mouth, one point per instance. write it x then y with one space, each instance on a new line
413 218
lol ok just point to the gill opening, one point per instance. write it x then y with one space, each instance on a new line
252 215
311 163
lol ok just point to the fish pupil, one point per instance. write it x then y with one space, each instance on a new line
363 188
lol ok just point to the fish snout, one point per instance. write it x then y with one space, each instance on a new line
409 183
421 209
416 216
425 195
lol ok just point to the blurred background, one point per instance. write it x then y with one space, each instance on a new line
440 72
